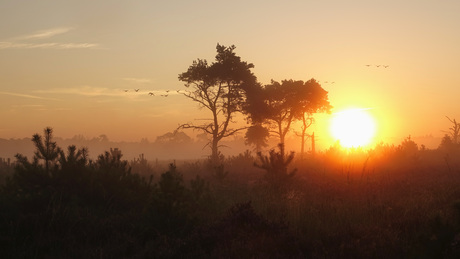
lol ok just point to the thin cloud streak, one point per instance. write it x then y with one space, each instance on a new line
51 45
27 96
84 91
43 34
28 106
24 42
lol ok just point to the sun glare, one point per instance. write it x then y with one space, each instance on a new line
353 127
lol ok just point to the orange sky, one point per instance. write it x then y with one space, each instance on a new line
66 65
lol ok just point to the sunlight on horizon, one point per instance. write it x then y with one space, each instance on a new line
353 127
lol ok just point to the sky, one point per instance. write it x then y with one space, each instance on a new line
67 64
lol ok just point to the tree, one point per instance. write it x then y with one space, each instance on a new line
288 101
76 158
317 101
276 167
447 144
47 149
177 137
454 130
221 89
257 135
307 121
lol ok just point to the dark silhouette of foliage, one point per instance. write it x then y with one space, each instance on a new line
257 135
408 149
243 233
6 169
276 167
111 162
220 88
142 167
57 213
454 131
280 104
46 149
74 159
168 208
220 173
448 145
346 203
177 137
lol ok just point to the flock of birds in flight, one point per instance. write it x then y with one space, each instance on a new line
153 94
384 66
180 91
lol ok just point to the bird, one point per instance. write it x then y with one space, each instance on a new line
177 91
137 90
368 65
152 94
377 65
126 91
385 66
167 91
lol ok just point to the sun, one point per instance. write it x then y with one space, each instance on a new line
353 127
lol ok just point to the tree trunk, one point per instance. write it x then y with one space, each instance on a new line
302 145
215 151
313 144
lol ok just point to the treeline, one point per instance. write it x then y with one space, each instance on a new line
178 145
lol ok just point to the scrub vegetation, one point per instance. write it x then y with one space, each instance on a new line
387 202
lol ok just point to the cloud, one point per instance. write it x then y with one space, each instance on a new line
28 106
51 45
29 41
46 33
83 90
26 96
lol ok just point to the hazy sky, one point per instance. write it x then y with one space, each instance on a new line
66 64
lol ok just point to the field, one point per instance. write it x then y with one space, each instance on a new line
387 202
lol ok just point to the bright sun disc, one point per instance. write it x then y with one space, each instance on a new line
353 127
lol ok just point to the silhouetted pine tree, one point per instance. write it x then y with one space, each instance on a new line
276 166
46 149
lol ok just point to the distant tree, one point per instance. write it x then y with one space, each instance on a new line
447 144
202 137
220 88
46 149
257 135
101 139
288 101
78 138
454 131
409 148
177 137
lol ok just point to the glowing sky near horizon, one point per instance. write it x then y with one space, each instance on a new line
66 64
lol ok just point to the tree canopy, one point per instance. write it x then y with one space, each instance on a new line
221 88
279 104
